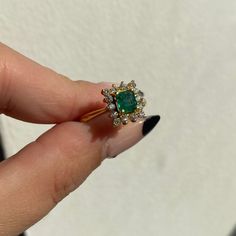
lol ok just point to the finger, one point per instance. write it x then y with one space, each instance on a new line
34 180
34 93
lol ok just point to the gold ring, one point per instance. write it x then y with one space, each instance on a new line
124 102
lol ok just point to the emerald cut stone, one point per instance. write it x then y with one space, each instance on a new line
126 101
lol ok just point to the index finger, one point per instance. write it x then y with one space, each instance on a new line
34 93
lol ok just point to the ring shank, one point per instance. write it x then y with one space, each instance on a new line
90 115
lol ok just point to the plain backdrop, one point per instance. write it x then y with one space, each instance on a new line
180 180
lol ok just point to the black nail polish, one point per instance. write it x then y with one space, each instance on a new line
2 153
150 123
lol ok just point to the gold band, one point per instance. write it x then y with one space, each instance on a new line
90 115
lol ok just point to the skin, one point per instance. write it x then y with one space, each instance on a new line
40 175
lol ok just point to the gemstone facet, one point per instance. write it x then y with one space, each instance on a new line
126 102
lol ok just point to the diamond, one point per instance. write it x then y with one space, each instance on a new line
114 114
112 91
141 114
116 122
143 101
111 106
140 93
138 98
108 98
124 120
105 91
133 117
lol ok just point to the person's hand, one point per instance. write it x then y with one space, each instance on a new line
35 179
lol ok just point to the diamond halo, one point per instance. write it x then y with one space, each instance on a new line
125 103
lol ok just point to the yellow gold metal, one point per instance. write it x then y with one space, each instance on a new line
90 115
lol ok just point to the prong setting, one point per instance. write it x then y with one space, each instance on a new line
125 102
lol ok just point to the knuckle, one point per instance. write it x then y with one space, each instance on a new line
63 185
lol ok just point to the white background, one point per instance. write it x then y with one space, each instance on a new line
180 180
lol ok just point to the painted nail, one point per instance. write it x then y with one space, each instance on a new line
129 135
149 124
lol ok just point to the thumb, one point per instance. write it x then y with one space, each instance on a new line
34 180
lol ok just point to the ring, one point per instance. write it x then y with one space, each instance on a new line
124 102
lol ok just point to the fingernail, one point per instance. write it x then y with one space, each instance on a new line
149 124
129 135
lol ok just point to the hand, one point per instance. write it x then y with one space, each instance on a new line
35 179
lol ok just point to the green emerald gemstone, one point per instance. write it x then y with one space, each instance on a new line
126 101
